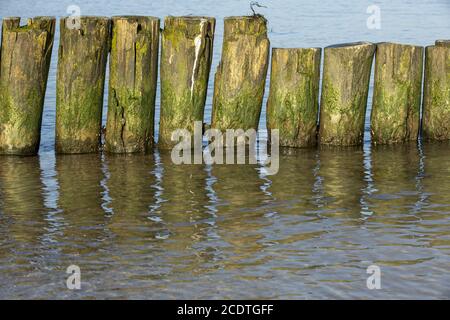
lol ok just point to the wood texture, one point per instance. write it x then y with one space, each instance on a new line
80 84
132 84
397 93
25 60
442 43
187 46
436 94
345 87
241 75
293 103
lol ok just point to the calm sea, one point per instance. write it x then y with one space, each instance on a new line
141 227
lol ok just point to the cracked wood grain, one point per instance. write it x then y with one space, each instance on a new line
132 84
25 62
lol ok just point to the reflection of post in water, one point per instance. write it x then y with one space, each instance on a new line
22 210
80 199
394 173
292 188
342 174
368 190
436 183
131 190
436 179
241 210
184 208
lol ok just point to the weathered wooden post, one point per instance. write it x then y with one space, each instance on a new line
187 46
436 93
397 93
132 84
442 43
82 56
241 76
25 60
293 102
345 88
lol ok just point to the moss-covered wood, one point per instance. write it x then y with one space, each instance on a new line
25 60
132 84
293 101
397 93
436 93
241 75
187 46
345 87
80 84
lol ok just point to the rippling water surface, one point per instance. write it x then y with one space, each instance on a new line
141 227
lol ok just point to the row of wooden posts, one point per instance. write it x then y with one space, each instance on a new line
187 46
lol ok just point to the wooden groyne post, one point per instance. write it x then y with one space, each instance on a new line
82 57
241 75
293 102
132 84
397 93
345 87
436 94
187 46
442 43
25 60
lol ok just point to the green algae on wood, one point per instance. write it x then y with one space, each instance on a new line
345 87
132 84
436 93
293 102
241 75
186 55
397 93
80 84
25 60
